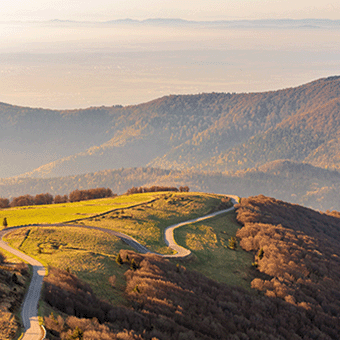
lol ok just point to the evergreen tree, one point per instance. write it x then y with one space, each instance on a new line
119 259
133 265
77 334
260 254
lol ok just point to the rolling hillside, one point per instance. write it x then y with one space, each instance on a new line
280 282
211 132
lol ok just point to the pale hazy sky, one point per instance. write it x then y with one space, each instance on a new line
102 10
72 66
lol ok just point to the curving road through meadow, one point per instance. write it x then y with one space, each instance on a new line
182 252
29 310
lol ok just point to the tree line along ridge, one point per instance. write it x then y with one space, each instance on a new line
79 195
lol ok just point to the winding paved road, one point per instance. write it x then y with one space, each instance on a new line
29 309
169 234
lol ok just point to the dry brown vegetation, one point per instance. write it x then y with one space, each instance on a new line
301 254
13 278
169 302
156 188
42 199
334 213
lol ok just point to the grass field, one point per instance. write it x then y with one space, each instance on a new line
57 213
147 223
208 241
89 254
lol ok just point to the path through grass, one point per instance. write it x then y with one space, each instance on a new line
208 240
89 254
147 223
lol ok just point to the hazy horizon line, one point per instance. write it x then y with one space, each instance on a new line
129 19
168 95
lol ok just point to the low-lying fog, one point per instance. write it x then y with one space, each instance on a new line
67 65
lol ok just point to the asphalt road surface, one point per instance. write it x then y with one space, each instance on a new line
29 312
169 234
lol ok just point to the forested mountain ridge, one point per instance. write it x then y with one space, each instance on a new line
31 137
256 116
290 181
211 132
312 136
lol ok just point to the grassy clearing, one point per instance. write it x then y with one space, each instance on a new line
57 213
89 254
208 240
147 223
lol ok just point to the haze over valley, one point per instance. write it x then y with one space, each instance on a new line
65 64
205 95
170 170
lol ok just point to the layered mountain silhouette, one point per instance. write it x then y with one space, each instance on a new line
171 22
210 132
227 133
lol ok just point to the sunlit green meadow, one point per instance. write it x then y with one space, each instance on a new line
147 223
87 253
57 213
90 254
208 241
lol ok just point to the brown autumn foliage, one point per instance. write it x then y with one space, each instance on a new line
169 302
39 199
2 258
21 201
4 203
88 329
65 292
60 199
12 292
333 213
43 199
89 194
301 254
156 188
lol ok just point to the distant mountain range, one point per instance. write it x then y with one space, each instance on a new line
265 23
210 132
178 22
294 182
205 133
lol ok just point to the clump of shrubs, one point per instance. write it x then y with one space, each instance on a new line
156 188
42 199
